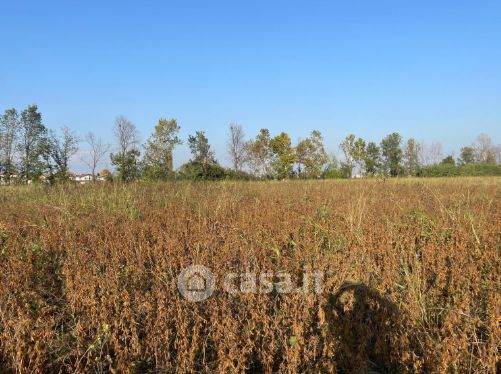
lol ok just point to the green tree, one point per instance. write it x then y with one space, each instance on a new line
200 149
203 165
358 154
284 155
333 170
411 157
311 155
449 160
347 146
467 156
392 154
260 154
127 164
158 160
9 127
372 159
32 143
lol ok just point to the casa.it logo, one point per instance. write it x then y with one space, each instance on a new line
196 283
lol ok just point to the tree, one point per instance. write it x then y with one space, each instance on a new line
97 151
484 149
203 165
260 153
347 147
435 153
332 169
358 154
372 158
61 149
9 127
392 154
467 156
200 148
127 158
106 174
284 155
311 155
497 153
237 147
158 160
126 134
412 156
127 164
449 160
32 143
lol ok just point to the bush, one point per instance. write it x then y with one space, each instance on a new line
194 170
449 170
334 173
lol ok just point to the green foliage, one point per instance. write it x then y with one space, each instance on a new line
392 154
9 127
467 156
158 161
127 165
29 149
347 146
411 156
449 160
372 159
333 171
260 154
311 156
194 170
358 153
33 143
284 155
200 149
450 170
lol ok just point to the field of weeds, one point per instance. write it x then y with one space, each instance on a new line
410 278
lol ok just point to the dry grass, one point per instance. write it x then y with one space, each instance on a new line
412 281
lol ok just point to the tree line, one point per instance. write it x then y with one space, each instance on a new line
29 150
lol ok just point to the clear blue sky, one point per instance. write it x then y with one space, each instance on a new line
427 69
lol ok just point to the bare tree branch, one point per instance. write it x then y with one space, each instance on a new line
126 133
97 151
237 147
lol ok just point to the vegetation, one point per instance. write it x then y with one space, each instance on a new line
411 276
449 169
30 151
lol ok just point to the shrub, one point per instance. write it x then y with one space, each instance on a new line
450 170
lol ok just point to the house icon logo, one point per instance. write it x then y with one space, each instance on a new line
196 283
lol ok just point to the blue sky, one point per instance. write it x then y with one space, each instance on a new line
427 69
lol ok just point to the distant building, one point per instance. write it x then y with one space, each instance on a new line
13 179
82 178
77 178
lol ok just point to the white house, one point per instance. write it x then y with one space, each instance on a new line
4 181
82 178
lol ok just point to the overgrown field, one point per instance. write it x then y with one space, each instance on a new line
411 280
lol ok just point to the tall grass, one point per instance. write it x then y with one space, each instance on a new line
411 276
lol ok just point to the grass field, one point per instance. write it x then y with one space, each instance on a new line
410 276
